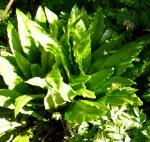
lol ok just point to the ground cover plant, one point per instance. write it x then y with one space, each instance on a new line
70 80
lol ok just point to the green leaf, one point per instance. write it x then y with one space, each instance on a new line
59 92
9 74
6 125
10 57
24 35
97 79
128 52
37 81
79 80
36 70
24 137
23 100
51 17
23 64
53 100
23 88
38 34
84 110
75 16
82 91
58 96
53 22
33 113
47 61
97 28
82 46
14 40
7 98
120 59
9 93
66 92
54 79
6 101
121 96
115 81
40 15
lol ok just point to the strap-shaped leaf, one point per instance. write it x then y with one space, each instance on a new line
14 40
77 80
82 46
43 38
7 71
47 61
38 34
75 16
84 110
128 52
31 112
9 93
37 81
10 57
53 22
6 102
24 35
115 81
23 64
23 100
97 79
97 28
40 15
120 59
82 91
36 70
51 17
6 125
121 96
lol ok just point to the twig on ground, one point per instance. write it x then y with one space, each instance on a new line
6 9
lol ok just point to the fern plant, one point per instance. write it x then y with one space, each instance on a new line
64 71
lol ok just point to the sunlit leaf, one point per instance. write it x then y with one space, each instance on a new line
38 34
122 96
115 81
24 137
37 81
6 125
51 16
14 40
9 73
82 46
24 35
23 100
40 15
53 100
7 98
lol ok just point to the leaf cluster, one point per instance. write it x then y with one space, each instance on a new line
68 70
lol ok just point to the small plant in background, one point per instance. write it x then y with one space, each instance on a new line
65 73
121 124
